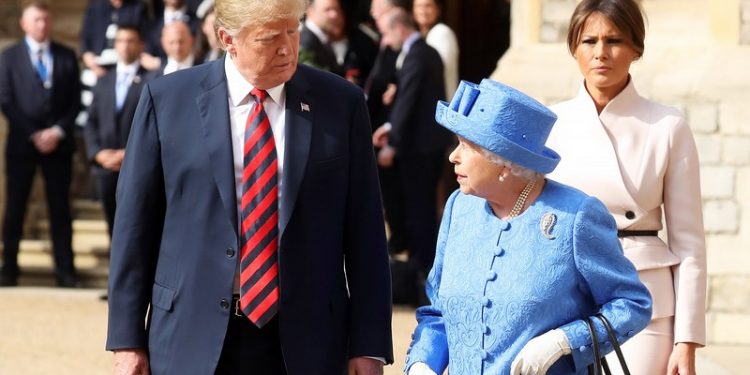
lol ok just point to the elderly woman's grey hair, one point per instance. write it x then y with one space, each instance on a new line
515 169
235 15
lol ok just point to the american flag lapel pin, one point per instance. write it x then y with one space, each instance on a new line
304 107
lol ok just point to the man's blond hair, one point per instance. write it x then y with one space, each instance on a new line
235 15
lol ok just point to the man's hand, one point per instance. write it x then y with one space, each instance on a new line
386 156
110 158
365 366
46 140
89 60
682 359
380 136
131 362
389 94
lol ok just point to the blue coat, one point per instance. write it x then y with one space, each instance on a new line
497 284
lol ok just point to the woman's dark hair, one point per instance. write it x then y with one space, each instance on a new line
626 15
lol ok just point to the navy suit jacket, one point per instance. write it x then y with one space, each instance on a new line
99 16
175 237
30 107
105 128
420 86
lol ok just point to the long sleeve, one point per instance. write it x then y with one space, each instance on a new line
430 344
8 100
684 220
137 232
611 280
367 267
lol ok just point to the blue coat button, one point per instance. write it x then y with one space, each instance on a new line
491 275
499 252
485 301
483 354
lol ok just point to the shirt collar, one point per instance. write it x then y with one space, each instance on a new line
239 88
410 40
129 68
317 31
34 46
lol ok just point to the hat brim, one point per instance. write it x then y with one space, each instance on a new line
544 162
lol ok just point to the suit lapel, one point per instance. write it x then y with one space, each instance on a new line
298 132
214 112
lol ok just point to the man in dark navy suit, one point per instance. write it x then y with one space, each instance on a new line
111 113
249 233
412 140
39 95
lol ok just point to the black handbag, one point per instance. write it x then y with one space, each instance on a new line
599 361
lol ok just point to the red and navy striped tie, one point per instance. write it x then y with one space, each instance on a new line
259 267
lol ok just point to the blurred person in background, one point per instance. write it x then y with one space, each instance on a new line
639 157
427 14
411 140
177 42
40 96
207 46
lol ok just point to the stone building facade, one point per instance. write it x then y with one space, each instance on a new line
697 58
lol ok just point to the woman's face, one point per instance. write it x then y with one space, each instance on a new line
604 56
426 13
475 174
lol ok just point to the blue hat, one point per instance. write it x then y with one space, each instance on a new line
502 120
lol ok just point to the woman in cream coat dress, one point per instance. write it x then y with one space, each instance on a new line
640 159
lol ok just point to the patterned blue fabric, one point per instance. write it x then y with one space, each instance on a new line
497 284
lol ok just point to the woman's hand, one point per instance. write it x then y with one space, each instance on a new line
682 359
540 353
420 368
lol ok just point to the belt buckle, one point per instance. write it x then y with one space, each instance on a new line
237 309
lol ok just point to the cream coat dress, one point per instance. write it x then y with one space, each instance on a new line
639 158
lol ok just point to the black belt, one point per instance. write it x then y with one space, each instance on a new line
633 233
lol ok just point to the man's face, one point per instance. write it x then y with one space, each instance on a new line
177 41
265 55
328 15
128 45
36 23
393 35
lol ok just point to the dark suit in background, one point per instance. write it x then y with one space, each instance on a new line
420 145
30 107
100 14
316 53
108 128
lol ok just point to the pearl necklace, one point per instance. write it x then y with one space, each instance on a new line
521 201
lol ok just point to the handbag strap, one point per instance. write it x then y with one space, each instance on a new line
615 344
596 367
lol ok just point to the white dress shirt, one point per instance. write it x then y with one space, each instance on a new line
174 65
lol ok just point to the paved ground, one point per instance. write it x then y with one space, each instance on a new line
51 331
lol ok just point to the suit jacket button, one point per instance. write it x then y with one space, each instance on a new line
630 215
224 304
230 252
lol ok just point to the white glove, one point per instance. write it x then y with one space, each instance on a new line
420 368
540 353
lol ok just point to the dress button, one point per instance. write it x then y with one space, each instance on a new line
491 275
483 354
630 215
583 349
230 252
485 301
486 330
630 333
504 226
499 252
224 304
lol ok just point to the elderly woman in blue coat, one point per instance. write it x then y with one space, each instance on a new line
521 261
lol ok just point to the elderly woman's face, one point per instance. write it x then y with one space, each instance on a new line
604 56
475 174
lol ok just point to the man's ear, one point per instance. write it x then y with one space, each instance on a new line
227 41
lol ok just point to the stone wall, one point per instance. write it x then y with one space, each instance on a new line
695 59
745 22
